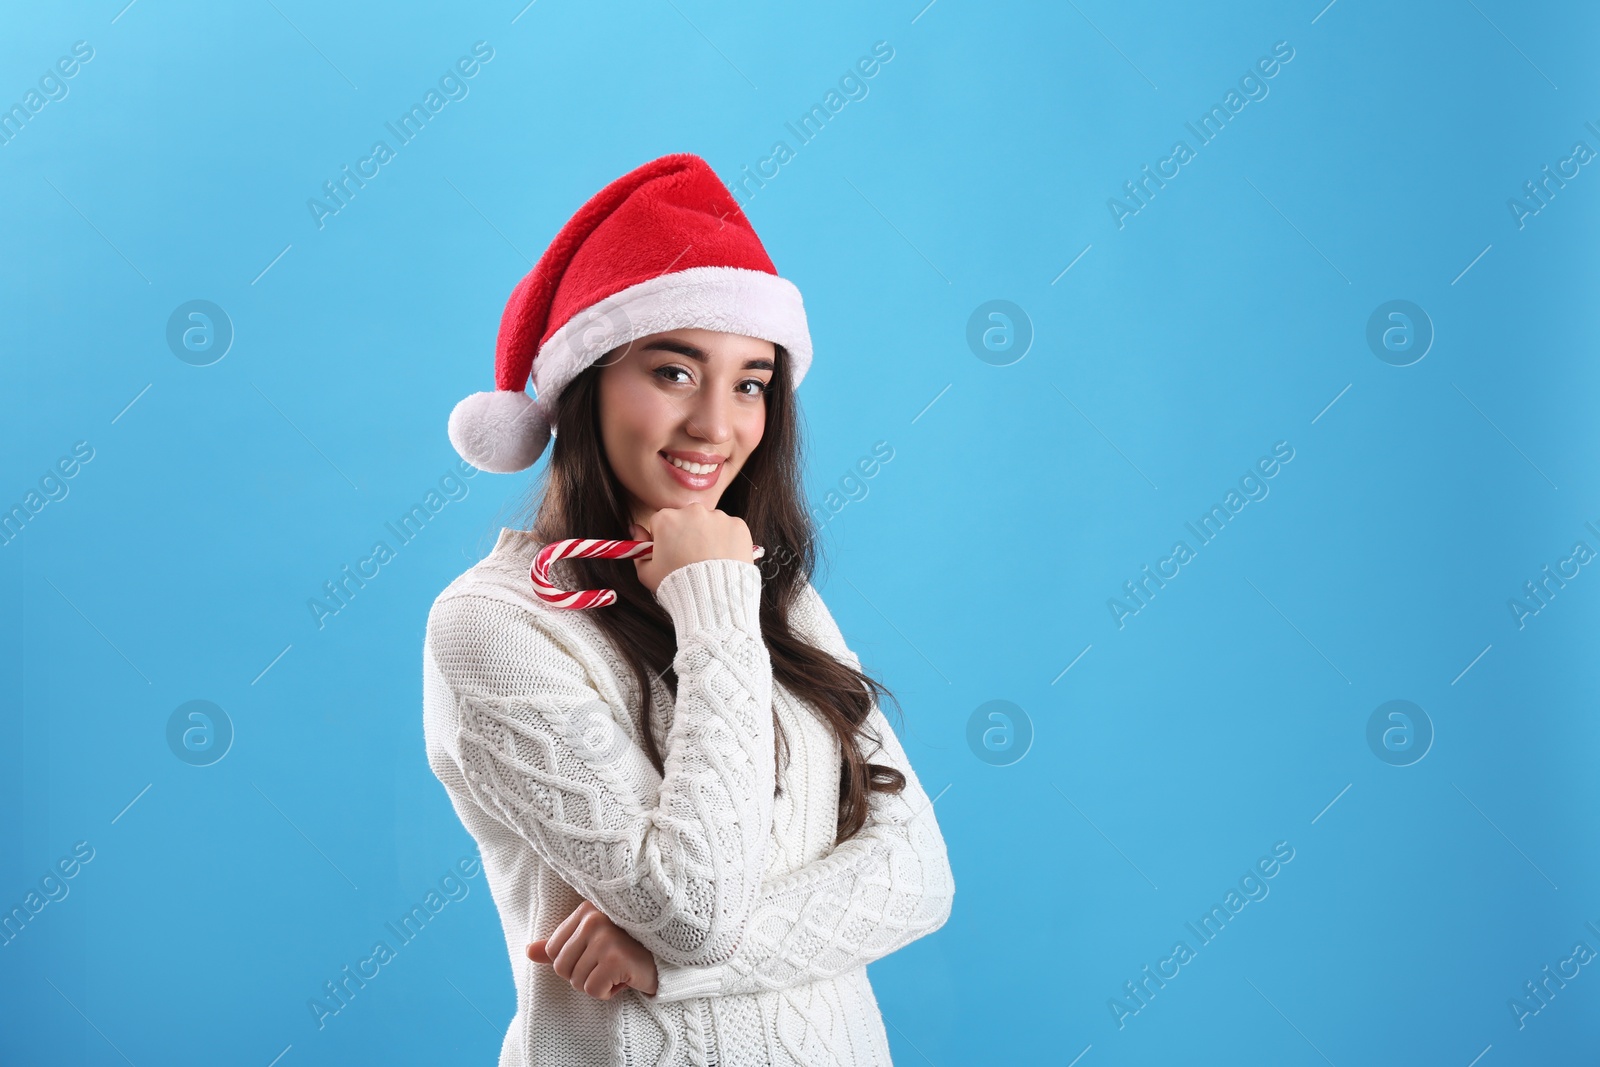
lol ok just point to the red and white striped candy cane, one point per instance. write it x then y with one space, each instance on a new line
587 548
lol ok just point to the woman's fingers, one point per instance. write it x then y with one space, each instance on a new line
547 949
589 921
589 974
590 951
562 934
582 971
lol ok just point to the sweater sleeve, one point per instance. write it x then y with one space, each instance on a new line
674 858
877 891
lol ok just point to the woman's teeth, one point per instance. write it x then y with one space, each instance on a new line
692 468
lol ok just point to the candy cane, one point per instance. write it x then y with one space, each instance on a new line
587 548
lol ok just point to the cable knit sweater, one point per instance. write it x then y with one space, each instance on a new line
761 927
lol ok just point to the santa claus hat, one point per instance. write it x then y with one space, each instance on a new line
664 247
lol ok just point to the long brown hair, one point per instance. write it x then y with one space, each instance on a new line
579 495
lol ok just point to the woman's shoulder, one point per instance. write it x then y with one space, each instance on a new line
501 575
809 615
489 614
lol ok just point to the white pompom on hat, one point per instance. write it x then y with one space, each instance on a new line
664 247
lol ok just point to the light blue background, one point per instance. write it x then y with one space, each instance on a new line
1228 314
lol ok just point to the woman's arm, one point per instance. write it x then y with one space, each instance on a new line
884 887
673 858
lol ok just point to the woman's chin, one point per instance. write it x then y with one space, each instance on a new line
680 497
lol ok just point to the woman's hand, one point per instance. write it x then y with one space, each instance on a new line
595 955
687 535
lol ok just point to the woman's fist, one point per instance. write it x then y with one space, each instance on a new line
687 535
595 955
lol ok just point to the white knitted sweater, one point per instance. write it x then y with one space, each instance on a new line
760 927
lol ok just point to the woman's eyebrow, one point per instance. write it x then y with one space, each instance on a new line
684 348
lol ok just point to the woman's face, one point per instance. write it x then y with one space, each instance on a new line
694 396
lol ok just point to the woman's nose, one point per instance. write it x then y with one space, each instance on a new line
709 415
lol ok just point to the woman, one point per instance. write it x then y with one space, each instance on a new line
696 823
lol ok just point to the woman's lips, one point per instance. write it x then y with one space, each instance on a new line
691 481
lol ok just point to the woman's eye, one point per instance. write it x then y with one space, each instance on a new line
667 371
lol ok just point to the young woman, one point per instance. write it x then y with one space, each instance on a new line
696 822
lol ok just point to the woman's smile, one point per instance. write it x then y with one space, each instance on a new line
693 470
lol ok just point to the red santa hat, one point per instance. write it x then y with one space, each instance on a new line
664 247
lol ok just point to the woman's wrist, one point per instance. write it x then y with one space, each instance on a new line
712 594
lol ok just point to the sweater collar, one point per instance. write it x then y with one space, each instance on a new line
516 542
